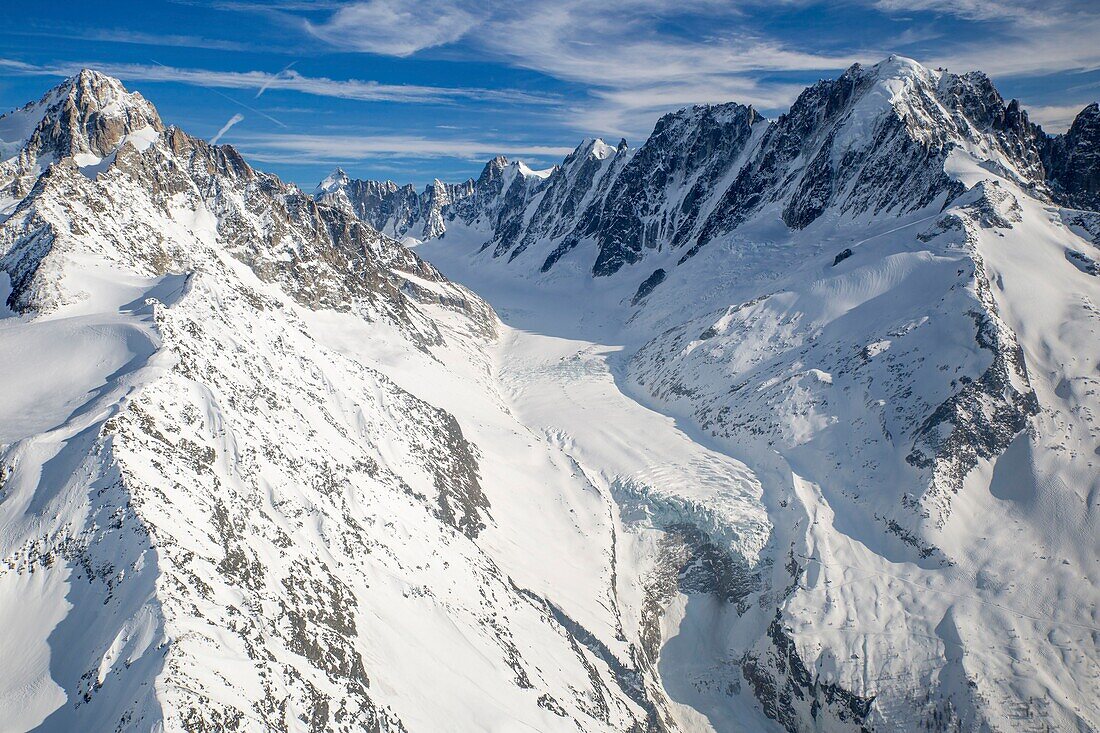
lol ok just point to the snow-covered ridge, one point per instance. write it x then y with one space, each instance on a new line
255 471
871 142
883 307
400 211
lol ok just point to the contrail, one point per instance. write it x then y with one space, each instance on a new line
225 128
272 80
226 96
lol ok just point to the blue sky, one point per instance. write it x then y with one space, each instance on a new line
416 90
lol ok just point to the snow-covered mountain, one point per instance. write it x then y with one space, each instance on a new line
257 472
876 317
705 170
500 193
782 425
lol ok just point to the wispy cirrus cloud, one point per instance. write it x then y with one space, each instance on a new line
1021 37
1054 117
287 79
635 70
635 59
137 38
396 27
631 64
1056 51
640 57
1019 10
614 66
319 148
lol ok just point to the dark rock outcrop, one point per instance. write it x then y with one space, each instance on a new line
1073 161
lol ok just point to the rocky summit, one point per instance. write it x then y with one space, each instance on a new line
766 424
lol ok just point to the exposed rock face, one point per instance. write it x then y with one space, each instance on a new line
491 202
657 199
86 118
647 286
627 202
875 141
378 203
572 189
875 302
870 143
323 257
791 693
1073 161
90 113
980 420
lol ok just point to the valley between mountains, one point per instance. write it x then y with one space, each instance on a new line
780 425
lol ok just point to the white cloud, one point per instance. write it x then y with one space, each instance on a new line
631 112
1020 38
636 58
395 27
569 39
1016 10
632 60
1070 49
621 52
267 84
1056 117
286 79
137 38
307 148
635 71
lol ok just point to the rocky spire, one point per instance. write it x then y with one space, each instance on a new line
493 168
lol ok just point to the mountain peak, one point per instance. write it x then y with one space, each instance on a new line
92 78
528 172
850 313
595 147
493 169
1073 160
94 92
891 68
90 113
893 78
895 66
337 179
1090 112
